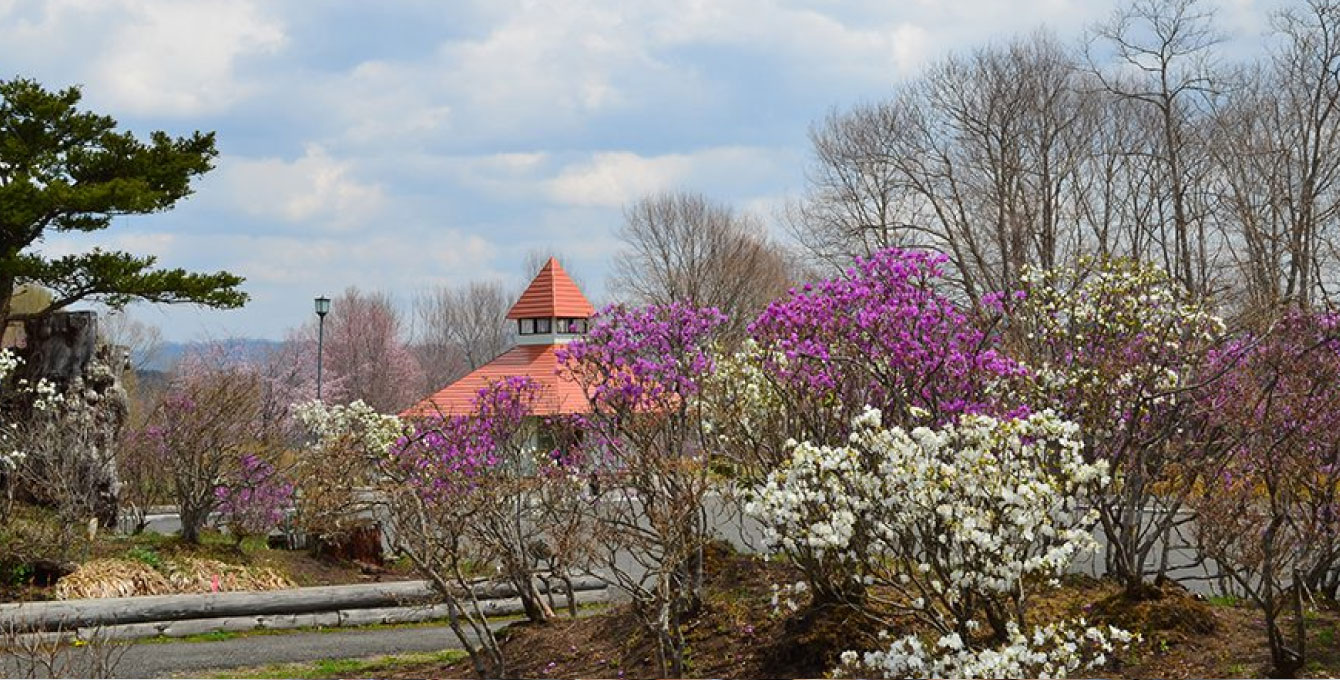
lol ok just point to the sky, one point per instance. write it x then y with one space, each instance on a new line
399 145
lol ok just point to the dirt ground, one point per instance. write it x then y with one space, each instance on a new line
737 635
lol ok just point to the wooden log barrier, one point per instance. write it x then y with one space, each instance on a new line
332 619
110 611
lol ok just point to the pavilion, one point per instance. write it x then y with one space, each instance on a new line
550 313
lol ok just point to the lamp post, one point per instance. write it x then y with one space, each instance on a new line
322 307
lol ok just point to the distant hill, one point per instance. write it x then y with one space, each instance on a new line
169 353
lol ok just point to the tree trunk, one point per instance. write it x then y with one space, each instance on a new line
192 520
533 602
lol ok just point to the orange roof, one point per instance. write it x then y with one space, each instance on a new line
552 293
536 361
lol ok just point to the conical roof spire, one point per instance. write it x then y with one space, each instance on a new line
551 294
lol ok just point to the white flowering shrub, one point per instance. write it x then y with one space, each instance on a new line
44 395
1107 337
8 362
958 521
1052 651
1120 348
10 453
356 423
334 473
747 416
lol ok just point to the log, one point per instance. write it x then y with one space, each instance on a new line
351 618
49 616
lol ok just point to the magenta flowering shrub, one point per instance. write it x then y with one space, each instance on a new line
456 501
643 359
1280 384
444 457
643 370
477 489
1270 515
212 413
253 498
879 337
882 336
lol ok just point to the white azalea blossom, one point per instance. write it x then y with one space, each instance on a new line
10 455
980 489
957 519
784 597
331 423
45 398
1053 651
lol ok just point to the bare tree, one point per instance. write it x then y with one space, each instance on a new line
684 248
66 471
536 258
1279 153
461 329
1160 60
982 157
144 341
67 652
1138 145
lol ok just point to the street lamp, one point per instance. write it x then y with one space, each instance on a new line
322 307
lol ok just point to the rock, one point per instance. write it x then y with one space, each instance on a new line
84 429
60 346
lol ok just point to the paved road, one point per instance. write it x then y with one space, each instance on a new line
166 659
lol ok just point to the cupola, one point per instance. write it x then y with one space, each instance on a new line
552 310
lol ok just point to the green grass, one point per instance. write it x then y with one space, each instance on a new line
1223 600
1326 636
146 555
343 668
152 549
213 636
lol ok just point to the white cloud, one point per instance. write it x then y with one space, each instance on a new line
381 102
315 188
155 57
541 71
876 46
615 178
510 176
176 58
159 244
550 59
385 260
537 68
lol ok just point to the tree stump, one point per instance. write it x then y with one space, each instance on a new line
361 543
